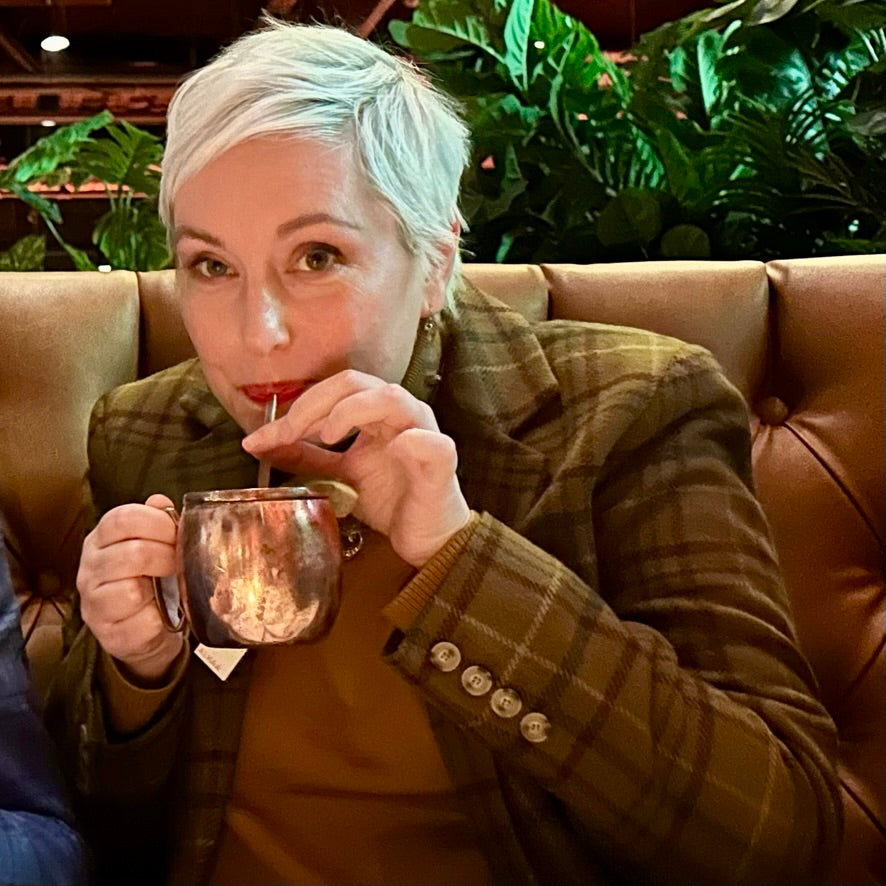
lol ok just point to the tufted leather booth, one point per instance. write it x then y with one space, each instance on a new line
803 340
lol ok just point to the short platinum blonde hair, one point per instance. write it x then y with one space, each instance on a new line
327 84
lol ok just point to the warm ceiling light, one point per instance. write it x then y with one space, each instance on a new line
54 43
47 123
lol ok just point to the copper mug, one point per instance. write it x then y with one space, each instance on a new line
254 567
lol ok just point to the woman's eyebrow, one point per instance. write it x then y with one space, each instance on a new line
313 218
287 227
195 234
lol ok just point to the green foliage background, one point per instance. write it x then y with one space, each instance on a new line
752 129
126 160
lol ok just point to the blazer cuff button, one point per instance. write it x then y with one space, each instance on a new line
535 727
505 703
445 656
476 680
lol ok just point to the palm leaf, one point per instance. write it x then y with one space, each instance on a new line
449 23
26 254
51 152
129 158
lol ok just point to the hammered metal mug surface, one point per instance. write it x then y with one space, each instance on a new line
255 567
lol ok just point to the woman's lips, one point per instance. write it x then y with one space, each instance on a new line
285 391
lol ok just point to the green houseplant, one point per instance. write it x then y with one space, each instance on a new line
752 129
125 160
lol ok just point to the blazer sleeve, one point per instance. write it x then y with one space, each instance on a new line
679 721
38 843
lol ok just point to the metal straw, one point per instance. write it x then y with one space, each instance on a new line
264 464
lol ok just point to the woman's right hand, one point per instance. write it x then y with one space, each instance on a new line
130 544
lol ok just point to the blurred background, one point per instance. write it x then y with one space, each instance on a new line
650 128
127 55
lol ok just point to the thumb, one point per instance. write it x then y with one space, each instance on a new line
159 501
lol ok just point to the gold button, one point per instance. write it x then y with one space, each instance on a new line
535 727
445 656
476 680
505 703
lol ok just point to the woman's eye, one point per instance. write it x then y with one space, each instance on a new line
318 258
210 267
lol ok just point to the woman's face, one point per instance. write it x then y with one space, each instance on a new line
289 270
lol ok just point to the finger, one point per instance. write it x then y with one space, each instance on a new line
390 406
384 405
308 413
117 601
159 501
427 457
127 559
133 521
305 458
435 508
139 636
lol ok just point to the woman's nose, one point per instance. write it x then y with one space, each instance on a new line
266 325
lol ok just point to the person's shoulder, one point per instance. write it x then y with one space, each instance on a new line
155 392
146 413
616 355
138 429
592 355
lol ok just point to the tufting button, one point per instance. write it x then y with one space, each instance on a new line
49 586
505 703
476 680
535 727
445 656
773 411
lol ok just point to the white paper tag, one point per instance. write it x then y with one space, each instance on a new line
219 660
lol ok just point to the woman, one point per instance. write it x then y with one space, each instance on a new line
564 653
38 844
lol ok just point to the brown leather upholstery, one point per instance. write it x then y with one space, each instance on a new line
802 339
66 339
819 472
721 305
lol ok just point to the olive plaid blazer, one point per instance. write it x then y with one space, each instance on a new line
621 580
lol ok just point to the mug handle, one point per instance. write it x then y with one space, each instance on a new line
167 594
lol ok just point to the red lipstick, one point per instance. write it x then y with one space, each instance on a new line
286 391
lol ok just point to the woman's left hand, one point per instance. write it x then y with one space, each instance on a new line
400 464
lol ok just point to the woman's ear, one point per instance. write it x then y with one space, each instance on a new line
440 273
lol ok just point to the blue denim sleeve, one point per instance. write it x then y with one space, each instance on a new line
38 849
38 844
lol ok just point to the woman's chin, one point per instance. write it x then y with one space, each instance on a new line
249 417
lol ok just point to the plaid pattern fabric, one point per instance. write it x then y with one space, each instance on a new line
621 581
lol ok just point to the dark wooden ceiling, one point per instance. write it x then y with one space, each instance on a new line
142 35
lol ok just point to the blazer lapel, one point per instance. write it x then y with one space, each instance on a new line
494 366
210 455
496 382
